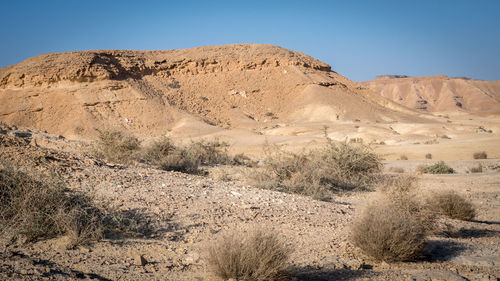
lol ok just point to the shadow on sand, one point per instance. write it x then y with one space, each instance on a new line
442 250
324 274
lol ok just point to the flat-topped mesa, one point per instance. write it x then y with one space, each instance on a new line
390 76
95 65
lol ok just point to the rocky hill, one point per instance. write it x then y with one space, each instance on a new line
440 93
152 92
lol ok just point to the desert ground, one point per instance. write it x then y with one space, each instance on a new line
250 96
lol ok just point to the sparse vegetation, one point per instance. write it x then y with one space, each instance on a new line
163 153
453 206
117 146
403 157
254 256
438 168
480 155
332 168
428 156
34 206
209 152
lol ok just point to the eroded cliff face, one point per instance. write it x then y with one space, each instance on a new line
440 93
98 65
152 92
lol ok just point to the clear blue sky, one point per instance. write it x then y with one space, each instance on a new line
359 39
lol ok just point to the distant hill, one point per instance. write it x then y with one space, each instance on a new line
152 92
439 93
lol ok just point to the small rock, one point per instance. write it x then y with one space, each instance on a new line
83 249
192 258
234 193
139 260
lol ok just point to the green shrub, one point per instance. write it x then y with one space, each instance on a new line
438 168
428 156
253 256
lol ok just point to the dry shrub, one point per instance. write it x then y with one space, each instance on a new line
438 168
393 227
387 232
478 169
453 206
187 159
241 159
165 155
180 161
333 168
209 152
117 146
428 156
254 256
480 155
34 206
404 193
396 170
155 152
81 221
403 157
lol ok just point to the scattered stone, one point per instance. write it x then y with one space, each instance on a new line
192 258
139 260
